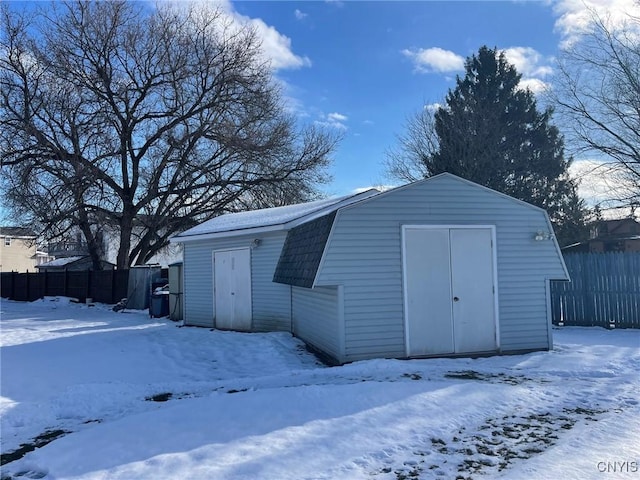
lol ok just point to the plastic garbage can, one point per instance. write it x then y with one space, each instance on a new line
159 305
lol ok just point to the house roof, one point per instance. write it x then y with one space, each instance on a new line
613 225
287 217
309 226
302 252
61 262
17 232
304 246
64 262
268 219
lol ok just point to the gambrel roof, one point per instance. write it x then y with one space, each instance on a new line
302 252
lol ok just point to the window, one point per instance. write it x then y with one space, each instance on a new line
7 241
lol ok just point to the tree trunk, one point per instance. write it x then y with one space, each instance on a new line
126 229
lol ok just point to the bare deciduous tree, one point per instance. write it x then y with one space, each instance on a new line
597 91
147 121
407 161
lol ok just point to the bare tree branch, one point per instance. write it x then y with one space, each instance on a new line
597 91
113 117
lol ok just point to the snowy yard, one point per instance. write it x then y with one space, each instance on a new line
123 396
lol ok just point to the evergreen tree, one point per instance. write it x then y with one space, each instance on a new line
491 132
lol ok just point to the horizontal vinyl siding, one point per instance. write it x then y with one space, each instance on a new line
364 254
316 318
271 302
198 284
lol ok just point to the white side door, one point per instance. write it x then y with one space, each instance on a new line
232 289
472 287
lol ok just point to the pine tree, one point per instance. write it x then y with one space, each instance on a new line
491 132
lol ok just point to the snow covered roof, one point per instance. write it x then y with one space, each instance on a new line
266 219
61 262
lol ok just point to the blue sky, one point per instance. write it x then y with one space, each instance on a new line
364 67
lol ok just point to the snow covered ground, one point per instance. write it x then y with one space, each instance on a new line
123 396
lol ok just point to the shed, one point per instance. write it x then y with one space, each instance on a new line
438 267
72 264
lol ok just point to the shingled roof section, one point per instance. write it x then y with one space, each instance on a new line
17 232
302 252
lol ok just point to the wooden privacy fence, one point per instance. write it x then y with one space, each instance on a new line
604 291
107 286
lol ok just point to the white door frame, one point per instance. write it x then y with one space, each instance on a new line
494 253
213 278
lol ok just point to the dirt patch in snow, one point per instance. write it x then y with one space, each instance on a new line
491 448
41 440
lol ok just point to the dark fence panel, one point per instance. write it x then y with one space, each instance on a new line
78 284
108 286
101 286
36 286
56 283
7 282
604 291
21 287
120 285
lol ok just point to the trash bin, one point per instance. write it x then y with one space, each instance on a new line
159 305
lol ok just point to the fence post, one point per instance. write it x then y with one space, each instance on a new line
88 285
113 287
13 285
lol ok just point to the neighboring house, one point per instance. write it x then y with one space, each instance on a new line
110 244
17 249
43 257
621 235
72 264
68 248
438 267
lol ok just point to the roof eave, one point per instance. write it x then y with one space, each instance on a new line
227 233
280 226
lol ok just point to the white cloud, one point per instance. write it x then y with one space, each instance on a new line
575 16
333 120
435 59
532 65
535 85
276 47
300 15
337 117
598 182
432 107
528 61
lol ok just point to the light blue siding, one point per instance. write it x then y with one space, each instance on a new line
198 284
271 302
364 253
317 318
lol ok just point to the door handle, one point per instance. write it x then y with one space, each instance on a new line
455 299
